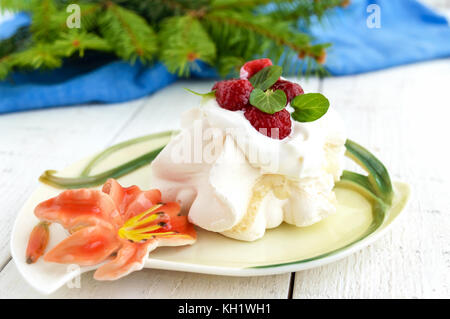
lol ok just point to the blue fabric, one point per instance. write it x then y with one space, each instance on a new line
9 27
409 32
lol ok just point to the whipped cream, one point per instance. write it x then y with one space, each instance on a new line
230 178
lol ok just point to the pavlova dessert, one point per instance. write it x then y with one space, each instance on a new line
257 152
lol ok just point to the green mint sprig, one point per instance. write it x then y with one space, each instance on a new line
269 101
266 77
207 95
262 97
309 107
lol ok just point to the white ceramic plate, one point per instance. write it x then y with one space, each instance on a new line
284 249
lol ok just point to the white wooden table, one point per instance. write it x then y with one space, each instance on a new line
401 114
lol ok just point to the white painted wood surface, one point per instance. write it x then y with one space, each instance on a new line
402 114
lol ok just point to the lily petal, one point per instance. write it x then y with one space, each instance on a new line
142 202
131 200
79 207
86 247
131 257
179 223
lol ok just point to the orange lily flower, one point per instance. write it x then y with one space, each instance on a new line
122 223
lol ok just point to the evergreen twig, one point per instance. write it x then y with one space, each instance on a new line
222 33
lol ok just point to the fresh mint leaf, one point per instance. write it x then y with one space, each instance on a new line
266 77
309 107
268 102
209 94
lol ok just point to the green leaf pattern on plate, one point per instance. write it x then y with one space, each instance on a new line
376 186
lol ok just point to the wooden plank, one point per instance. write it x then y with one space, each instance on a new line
149 283
401 114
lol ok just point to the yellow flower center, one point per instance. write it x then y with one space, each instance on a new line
145 225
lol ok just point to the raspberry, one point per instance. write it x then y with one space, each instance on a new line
233 95
291 89
252 67
264 123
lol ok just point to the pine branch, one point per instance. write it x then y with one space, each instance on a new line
79 41
223 33
128 33
228 65
255 31
240 36
36 57
15 5
89 14
237 4
44 25
157 10
5 67
279 32
184 40
50 55
303 9
294 9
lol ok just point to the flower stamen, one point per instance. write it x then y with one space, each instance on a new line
145 225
